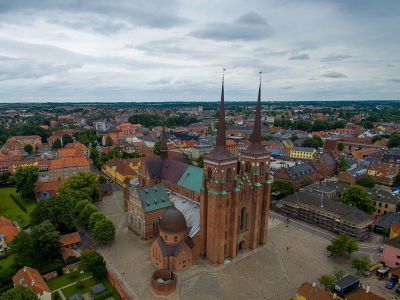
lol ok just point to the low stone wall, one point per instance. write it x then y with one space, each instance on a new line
49 276
66 268
117 286
163 289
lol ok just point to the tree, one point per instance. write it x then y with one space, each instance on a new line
394 140
396 180
28 148
361 264
104 231
86 212
340 146
357 196
343 166
294 138
46 240
314 142
109 141
283 187
307 180
94 154
19 292
339 124
342 244
327 281
25 179
23 248
157 148
338 273
302 124
102 179
81 186
57 211
376 138
5 178
80 205
365 180
94 218
94 262
385 233
57 144
200 160
67 139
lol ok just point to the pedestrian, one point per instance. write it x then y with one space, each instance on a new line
287 248
273 218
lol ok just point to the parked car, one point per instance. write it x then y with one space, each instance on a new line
367 273
383 271
390 284
329 254
398 289
380 249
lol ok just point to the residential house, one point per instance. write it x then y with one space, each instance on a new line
274 148
43 190
391 252
202 149
321 210
386 221
119 170
7 232
310 291
351 175
31 279
382 172
80 147
302 153
285 154
394 230
384 201
70 240
325 165
63 168
297 173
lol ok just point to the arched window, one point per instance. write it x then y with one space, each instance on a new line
175 239
228 175
155 225
209 174
248 167
166 238
139 223
261 168
242 215
247 216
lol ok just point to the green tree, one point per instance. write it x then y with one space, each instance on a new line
361 264
343 166
365 180
357 196
28 148
55 210
19 292
339 124
94 218
102 179
67 139
104 231
109 141
56 145
376 138
314 142
157 147
307 180
342 244
340 146
25 179
283 187
351 246
302 124
396 180
327 281
294 138
394 140
46 240
199 161
338 273
94 262
5 178
23 248
80 205
94 154
81 186
86 212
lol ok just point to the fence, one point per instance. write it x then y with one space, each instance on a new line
117 286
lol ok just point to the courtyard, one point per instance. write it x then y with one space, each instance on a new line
269 272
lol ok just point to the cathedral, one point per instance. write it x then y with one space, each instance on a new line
214 212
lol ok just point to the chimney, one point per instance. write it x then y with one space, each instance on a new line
24 269
368 289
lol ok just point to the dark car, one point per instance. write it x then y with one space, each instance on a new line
398 289
390 284
380 249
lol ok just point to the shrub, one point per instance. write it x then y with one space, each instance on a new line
56 296
79 285
21 206
104 296
73 274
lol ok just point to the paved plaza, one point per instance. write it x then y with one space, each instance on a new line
269 272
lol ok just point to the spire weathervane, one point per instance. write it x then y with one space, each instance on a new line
260 75
223 73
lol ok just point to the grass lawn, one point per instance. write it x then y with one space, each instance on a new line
64 280
10 210
87 284
109 287
5 263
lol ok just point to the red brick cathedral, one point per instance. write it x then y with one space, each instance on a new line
225 207
235 197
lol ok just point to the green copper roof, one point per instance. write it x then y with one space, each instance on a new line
153 197
223 193
269 181
236 189
257 184
236 177
191 179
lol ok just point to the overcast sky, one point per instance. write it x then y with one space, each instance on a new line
157 50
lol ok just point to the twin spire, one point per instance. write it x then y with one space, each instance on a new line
221 151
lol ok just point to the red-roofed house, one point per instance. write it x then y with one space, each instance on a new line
31 279
7 232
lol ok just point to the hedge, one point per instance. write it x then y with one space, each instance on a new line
6 288
21 206
53 267
104 296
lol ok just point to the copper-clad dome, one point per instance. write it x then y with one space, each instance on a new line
173 221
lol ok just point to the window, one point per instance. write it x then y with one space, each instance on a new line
248 167
375 203
176 239
261 168
380 204
379 211
228 175
242 215
155 225
398 256
166 238
386 206
209 174
397 264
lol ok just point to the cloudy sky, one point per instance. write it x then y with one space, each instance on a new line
157 50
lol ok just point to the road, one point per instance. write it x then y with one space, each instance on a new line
315 231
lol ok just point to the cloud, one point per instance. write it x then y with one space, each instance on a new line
303 56
248 27
396 80
389 65
161 81
334 74
334 57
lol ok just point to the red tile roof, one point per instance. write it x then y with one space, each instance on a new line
70 238
31 279
8 229
313 293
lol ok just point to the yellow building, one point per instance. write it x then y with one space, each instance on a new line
23 163
302 153
121 171
288 144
